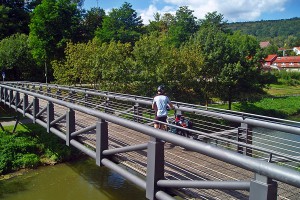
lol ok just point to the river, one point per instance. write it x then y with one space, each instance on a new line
78 180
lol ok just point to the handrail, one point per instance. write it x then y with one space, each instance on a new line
240 117
270 170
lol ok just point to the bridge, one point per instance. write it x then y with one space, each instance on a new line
226 155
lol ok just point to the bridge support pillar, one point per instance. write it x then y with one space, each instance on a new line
155 166
50 115
36 108
101 140
263 188
70 125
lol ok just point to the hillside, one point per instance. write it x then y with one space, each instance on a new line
266 29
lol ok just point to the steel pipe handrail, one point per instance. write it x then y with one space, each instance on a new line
270 170
241 118
223 185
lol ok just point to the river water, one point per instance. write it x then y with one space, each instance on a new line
79 180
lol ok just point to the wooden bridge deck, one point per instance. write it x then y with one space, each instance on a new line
180 164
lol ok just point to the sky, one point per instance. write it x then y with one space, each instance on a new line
232 10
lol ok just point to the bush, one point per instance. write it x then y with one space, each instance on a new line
26 161
29 146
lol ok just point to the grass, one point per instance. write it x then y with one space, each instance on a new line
283 90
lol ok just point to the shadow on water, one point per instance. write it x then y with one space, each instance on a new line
113 185
80 180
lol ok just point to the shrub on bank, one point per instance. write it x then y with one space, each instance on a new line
29 147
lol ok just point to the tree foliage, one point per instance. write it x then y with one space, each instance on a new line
282 33
182 27
16 59
92 20
122 25
53 24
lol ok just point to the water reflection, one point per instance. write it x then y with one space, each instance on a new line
77 180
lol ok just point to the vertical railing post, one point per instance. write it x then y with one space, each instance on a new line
263 188
101 140
86 98
244 135
249 140
36 108
58 94
1 93
49 91
25 103
106 105
136 112
50 115
11 96
17 100
70 125
40 89
5 94
155 166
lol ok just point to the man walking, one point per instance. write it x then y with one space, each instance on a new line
160 104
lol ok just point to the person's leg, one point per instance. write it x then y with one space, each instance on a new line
163 126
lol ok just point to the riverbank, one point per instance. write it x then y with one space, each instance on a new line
29 147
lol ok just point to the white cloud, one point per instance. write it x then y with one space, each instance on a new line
232 10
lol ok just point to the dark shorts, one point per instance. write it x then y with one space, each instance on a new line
161 119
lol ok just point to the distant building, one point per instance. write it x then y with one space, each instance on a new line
296 50
288 63
264 44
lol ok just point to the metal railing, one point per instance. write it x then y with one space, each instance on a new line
133 112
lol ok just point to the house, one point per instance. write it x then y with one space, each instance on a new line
296 50
288 63
264 44
268 61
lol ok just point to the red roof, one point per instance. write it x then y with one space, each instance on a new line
288 59
270 58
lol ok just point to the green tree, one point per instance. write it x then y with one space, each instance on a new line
14 18
214 50
122 25
117 64
16 59
92 20
241 76
183 26
214 19
53 24
148 53
79 64
160 24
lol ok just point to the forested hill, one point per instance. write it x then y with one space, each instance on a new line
266 29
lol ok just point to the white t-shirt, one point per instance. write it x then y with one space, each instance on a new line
161 102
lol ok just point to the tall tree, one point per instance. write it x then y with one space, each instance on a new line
241 76
214 19
92 20
183 27
122 25
53 24
16 59
14 18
